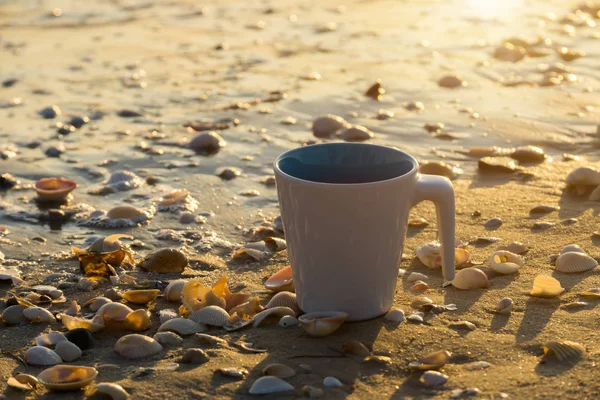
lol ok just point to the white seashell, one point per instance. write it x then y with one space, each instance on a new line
275 244
233 372
332 382
572 248
493 223
505 262
279 370
288 320
97 302
182 326
22 382
573 262
271 312
416 276
514 247
113 312
270 384
477 365
326 126
416 317
67 351
167 314
50 291
137 346
284 299
395 316
174 290
210 315
39 355
433 378
168 339
505 306
469 279
546 286
50 339
435 360
67 377
583 176
112 390
322 323
38 314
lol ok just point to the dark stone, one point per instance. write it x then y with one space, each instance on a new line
7 181
9 82
129 114
79 121
81 337
65 129
50 112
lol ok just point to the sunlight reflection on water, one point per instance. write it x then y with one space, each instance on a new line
487 9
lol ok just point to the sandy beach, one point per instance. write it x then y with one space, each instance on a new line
134 82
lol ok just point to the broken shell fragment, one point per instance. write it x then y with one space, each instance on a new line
248 309
140 296
182 326
469 279
416 318
546 286
23 381
435 360
417 223
322 323
196 296
505 306
54 189
355 348
137 346
233 372
505 262
165 261
440 168
281 280
573 262
67 377
49 339
564 351
591 293
112 390
275 244
270 384
279 370
76 322
38 355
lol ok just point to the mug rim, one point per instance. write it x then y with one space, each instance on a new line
280 172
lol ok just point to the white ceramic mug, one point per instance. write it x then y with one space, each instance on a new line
344 208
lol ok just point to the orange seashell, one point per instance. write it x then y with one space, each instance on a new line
281 280
54 189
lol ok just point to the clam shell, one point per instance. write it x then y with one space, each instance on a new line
97 302
416 276
288 320
395 316
167 314
505 262
281 280
572 248
233 372
546 286
284 299
324 127
165 261
583 178
435 360
595 195
270 384
196 296
210 315
356 133
137 346
514 247
207 142
573 262
469 279
433 378
51 291
174 290
322 323
493 223
140 296
505 306
275 244
174 197
49 339
112 390
67 377
182 326
38 314
355 348
54 189
138 320
126 212
440 168
13 315
168 338
67 351
543 209
563 351
39 355
113 312
271 312
111 294
194 356
332 382
279 370
419 286
76 322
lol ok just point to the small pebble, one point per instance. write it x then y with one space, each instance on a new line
194 356
50 112
332 382
79 121
493 223
477 365
451 82
462 393
65 129
384 114
375 91
433 378
463 325
395 316
55 150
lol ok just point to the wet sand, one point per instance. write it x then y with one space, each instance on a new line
179 62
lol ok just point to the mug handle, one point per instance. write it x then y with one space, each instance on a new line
439 189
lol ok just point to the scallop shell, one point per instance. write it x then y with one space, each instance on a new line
210 315
573 262
13 315
50 339
281 280
112 390
505 262
67 377
174 290
168 338
546 286
165 261
140 296
196 296
138 320
182 326
322 323
284 299
137 346
97 302
355 348
356 133
563 351
275 244
514 247
270 384
416 276
271 312
113 312
394 316
279 370
288 320
469 279
67 351
207 142
247 309
505 306
38 314
435 360
572 248
39 355
75 323
324 127
54 189
440 168
166 315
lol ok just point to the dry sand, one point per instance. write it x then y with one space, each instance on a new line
83 60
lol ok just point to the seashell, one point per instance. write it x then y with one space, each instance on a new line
572 248
67 377
505 262
168 339
504 165
67 351
477 365
50 291
38 355
36 298
12 274
514 247
49 339
231 299
126 212
322 323
275 244
248 309
595 195
76 322
417 223
194 356
279 370
542 226
138 320
419 286
356 133
433 378
112 390
23 382
164 261
440 168
270 384
505 306
355 348
288 320
332 382
395 316
463 325
576 304
591 293
167 314
546 286
54 189
430 255
13 315
563 351
82 338
38 314
383 115
207 142
435 360
248 253
420 302
416 276
124 180
137 346
210 340
510 52
196 296
284 299
182 326
324 127
583 179
469 279
140 296
281 280
210 315
493 223
174 290
114 312
573 262
173 198
111 294
228 173
272 312
15 384
528 154
250 347
96 303
233 372
543 209
73 309
378 359
451 82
